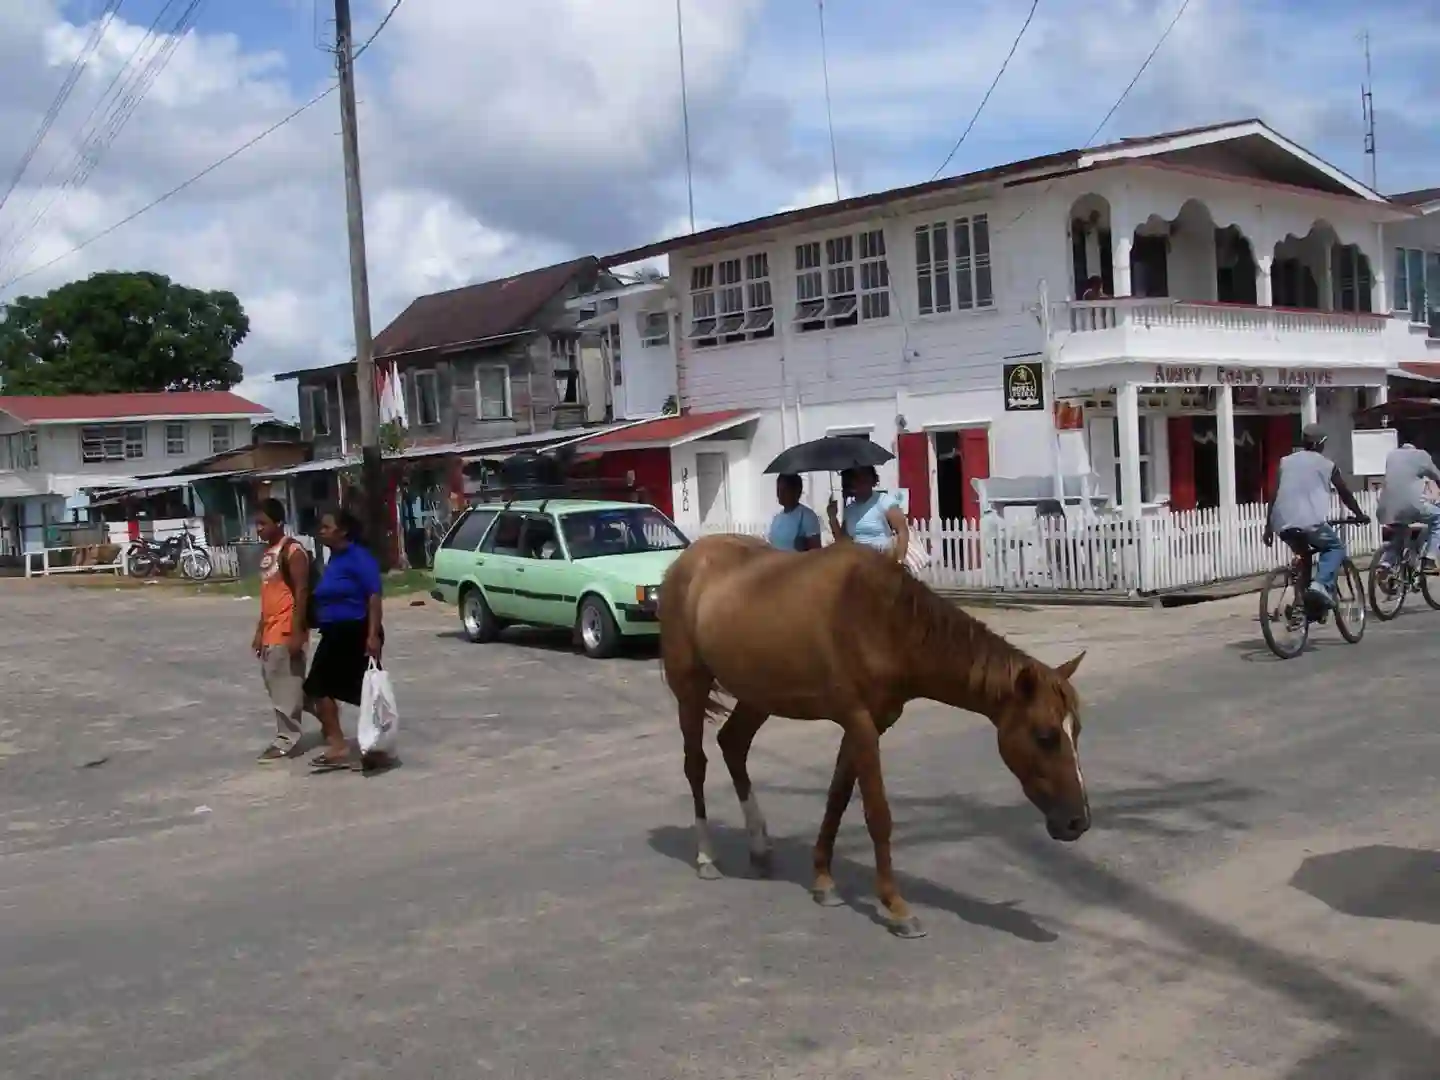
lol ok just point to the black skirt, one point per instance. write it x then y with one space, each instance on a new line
338 669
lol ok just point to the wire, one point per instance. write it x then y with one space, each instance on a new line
383 23
231 156
1101 127
175 190
685 113
1126 93
994 83
829 115
67 87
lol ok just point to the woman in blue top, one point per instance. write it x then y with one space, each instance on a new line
345 607
872 518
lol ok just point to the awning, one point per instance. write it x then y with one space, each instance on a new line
158 483
1424 370
668 431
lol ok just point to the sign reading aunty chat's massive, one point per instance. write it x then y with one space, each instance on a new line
1234 375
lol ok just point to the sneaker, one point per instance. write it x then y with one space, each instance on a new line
1428 565
1320 596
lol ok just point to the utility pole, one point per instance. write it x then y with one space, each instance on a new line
371 473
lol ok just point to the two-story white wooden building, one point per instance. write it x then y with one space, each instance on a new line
1150 320
54 448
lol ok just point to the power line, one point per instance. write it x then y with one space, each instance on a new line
994 83
383 23
177 189
173 191
67 87
685 112
1126 92
98 138
1101 127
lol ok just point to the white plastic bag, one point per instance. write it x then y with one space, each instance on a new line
917 558
379 716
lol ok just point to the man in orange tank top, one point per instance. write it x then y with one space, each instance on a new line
281 633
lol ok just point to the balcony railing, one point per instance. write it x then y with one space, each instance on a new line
1163 329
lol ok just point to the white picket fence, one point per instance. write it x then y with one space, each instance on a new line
1158 553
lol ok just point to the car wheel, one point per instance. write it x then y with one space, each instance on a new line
595 626
476 619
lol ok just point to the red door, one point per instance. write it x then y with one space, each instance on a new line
1182 463
974 465
1278 437
914 467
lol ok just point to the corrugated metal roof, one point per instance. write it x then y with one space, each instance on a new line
78 407
668 431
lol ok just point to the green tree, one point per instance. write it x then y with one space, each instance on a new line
119 332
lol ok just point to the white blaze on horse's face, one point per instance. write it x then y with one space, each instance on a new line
1068 727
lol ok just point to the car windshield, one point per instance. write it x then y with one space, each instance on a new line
620 531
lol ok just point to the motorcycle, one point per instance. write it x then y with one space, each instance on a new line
149 558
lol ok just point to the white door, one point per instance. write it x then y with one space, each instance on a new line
712 479
1104 461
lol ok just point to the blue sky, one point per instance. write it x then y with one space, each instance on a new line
500 136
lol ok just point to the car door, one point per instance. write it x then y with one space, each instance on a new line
495 564
543 574
456 561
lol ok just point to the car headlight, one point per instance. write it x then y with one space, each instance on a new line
647 594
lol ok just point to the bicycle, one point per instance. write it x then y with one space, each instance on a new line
1390 585
1284 602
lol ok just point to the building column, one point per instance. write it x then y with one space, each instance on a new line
1309 406
1127 408
1225 446
1264 285
1120 246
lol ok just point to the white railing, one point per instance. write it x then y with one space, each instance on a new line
1083 316
1183 331
1110 555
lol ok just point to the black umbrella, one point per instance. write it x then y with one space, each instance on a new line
834 453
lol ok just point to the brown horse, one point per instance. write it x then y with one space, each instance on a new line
846 634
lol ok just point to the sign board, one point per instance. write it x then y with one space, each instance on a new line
1234 375
1023 388
1368 450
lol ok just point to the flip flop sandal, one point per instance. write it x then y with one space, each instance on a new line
272 754
322 763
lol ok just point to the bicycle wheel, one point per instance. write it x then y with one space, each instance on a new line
1282 615
1388 586
1429 590
1350 604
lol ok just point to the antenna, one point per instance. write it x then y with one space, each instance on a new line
1367 109
685 112
829 115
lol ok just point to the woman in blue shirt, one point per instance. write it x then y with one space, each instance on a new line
345 607
872 518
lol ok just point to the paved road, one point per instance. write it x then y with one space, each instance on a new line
1259 897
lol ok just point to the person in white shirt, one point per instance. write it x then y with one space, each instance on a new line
796 527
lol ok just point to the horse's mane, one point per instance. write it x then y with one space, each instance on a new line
926 624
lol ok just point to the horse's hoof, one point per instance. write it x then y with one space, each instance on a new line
762 864
908 928
827 897
708 871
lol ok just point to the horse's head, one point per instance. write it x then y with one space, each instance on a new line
1040 742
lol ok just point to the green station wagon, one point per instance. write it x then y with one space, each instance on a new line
575 563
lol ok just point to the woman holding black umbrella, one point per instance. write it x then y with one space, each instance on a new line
873 518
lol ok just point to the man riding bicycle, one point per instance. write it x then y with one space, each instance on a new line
1300 510
1403 502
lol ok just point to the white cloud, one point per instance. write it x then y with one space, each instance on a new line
500 136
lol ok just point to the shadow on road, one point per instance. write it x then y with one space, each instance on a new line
554 640
854 879
1376 882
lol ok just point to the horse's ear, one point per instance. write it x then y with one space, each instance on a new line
1067 669
1027 683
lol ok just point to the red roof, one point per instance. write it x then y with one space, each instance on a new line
669 430
75 407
